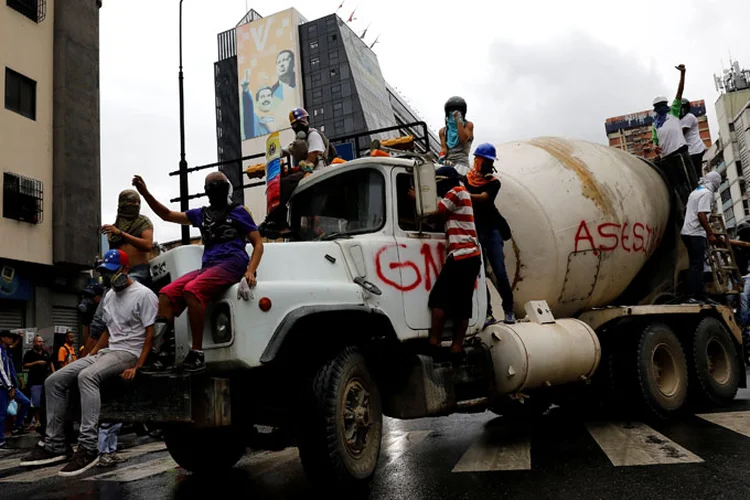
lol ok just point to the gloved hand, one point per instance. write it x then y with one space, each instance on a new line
244 291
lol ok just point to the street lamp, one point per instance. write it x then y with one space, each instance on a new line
183 163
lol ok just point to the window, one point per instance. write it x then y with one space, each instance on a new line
334 37
315 79
317 94
322 128
318 111
333 71
314 62
20 94
312 30
407 208
36 10
338 106
349 203
314 45
746 207
726 195
731 127
22 198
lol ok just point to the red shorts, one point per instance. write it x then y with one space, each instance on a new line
205 284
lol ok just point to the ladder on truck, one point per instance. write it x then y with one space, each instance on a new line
727 276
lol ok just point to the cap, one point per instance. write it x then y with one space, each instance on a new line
660 99
114 259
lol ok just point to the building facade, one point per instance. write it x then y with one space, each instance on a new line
342 88
730 156
632 132
49 138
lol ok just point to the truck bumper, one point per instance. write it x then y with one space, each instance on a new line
195 399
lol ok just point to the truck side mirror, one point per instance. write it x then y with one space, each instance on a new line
425 188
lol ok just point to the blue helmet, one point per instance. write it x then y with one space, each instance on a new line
487 151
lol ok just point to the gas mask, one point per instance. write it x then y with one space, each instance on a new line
218 193
300 127
118 280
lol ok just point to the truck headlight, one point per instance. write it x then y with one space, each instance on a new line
221 328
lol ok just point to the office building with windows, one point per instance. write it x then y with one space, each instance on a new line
49 138
269 65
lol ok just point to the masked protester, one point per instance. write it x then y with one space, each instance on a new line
671 147
132 233
457 135
129 313
310 151
696 147
225 229
696 232
491 226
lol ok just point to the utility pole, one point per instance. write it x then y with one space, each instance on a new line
184 205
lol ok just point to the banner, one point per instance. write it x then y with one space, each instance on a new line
269 73
273 171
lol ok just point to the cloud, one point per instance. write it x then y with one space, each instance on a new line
565 88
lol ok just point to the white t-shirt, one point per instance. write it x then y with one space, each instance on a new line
315 142
689 125
127 314
698 201
670 136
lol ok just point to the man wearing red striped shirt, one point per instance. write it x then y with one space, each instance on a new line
454 288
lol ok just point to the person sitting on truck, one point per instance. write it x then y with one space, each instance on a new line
225 228
310 151
671 146
129 316
457 135
453 291
696 232
696 147
492 227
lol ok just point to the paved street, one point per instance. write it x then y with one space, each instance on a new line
462 456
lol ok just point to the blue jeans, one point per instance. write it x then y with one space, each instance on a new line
745 304
108 437
23 408
492 249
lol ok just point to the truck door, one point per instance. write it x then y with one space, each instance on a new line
420 257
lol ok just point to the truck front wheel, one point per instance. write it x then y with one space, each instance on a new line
714 364
339 442
205 450
661 371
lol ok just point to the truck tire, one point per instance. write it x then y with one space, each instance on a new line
205 450
339 443
714 366
661 369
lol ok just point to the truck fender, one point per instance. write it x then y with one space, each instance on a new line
287 324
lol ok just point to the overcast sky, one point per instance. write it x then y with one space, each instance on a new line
526 69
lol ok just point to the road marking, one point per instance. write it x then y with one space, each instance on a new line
399 443
137 451
737 421
497 451
635 443
137 471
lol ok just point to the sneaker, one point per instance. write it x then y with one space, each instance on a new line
3 445
108 460
82 461
40 455
18 432
510 319
193 362
155 367
489 321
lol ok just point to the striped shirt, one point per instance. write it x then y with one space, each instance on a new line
460 229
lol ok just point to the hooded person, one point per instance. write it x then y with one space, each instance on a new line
132 233
696 232
226 227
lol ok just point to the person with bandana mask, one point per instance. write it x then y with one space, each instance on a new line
696 232
696 147
225 228
492 228
129 316
457 135
671 147
132 233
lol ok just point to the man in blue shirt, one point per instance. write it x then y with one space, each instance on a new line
8 385
225 229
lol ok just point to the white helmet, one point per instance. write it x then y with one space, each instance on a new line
660 99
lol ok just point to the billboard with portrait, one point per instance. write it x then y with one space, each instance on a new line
269 73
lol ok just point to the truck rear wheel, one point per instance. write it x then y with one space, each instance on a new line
714 365
662 374
205 450
340 438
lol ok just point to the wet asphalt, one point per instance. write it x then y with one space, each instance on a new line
418 461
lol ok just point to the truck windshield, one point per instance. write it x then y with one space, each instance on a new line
346 204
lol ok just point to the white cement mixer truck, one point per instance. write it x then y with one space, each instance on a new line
331 338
